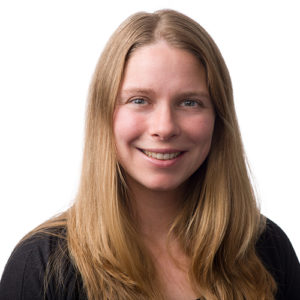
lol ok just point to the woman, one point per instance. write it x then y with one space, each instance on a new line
165 208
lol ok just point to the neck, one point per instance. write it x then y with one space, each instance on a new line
155 211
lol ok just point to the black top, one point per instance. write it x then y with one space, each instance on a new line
23 277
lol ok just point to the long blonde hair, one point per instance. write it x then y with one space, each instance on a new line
219 223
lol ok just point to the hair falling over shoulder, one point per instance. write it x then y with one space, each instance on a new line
219 223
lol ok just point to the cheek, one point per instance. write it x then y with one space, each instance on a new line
201 130
127 126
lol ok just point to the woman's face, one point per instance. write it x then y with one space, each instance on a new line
164 118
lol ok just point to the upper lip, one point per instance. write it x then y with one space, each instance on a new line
156 150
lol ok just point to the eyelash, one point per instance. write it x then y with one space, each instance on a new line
134 101
143 101
195 103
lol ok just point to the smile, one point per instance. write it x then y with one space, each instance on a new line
161 156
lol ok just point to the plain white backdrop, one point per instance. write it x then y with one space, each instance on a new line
47 56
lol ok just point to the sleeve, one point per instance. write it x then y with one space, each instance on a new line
278 255
291 267
23 276
30 275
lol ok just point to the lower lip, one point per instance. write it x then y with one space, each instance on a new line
163 163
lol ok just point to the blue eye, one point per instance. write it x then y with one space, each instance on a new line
138 101
191 103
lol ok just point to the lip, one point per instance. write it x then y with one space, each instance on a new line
162 163
168 150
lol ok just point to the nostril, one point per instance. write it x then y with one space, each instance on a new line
164 129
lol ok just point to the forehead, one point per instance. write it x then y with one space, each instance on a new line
160 65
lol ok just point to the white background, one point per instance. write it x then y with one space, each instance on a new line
47 56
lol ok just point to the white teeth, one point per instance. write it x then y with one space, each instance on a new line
161 156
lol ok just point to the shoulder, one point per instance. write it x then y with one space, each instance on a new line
277 253
27 274
23 276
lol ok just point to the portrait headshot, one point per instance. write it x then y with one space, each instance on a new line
150 150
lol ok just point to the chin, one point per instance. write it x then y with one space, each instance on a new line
162 187
160 184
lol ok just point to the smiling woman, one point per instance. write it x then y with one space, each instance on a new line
165 209
164 120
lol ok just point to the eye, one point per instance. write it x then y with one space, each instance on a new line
139 101
190 103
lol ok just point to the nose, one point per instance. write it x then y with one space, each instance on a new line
163 123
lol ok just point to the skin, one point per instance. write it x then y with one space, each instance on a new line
163 106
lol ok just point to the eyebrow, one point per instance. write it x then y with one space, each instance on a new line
137 91
195 94
147 91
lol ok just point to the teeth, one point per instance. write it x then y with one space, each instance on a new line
161 156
